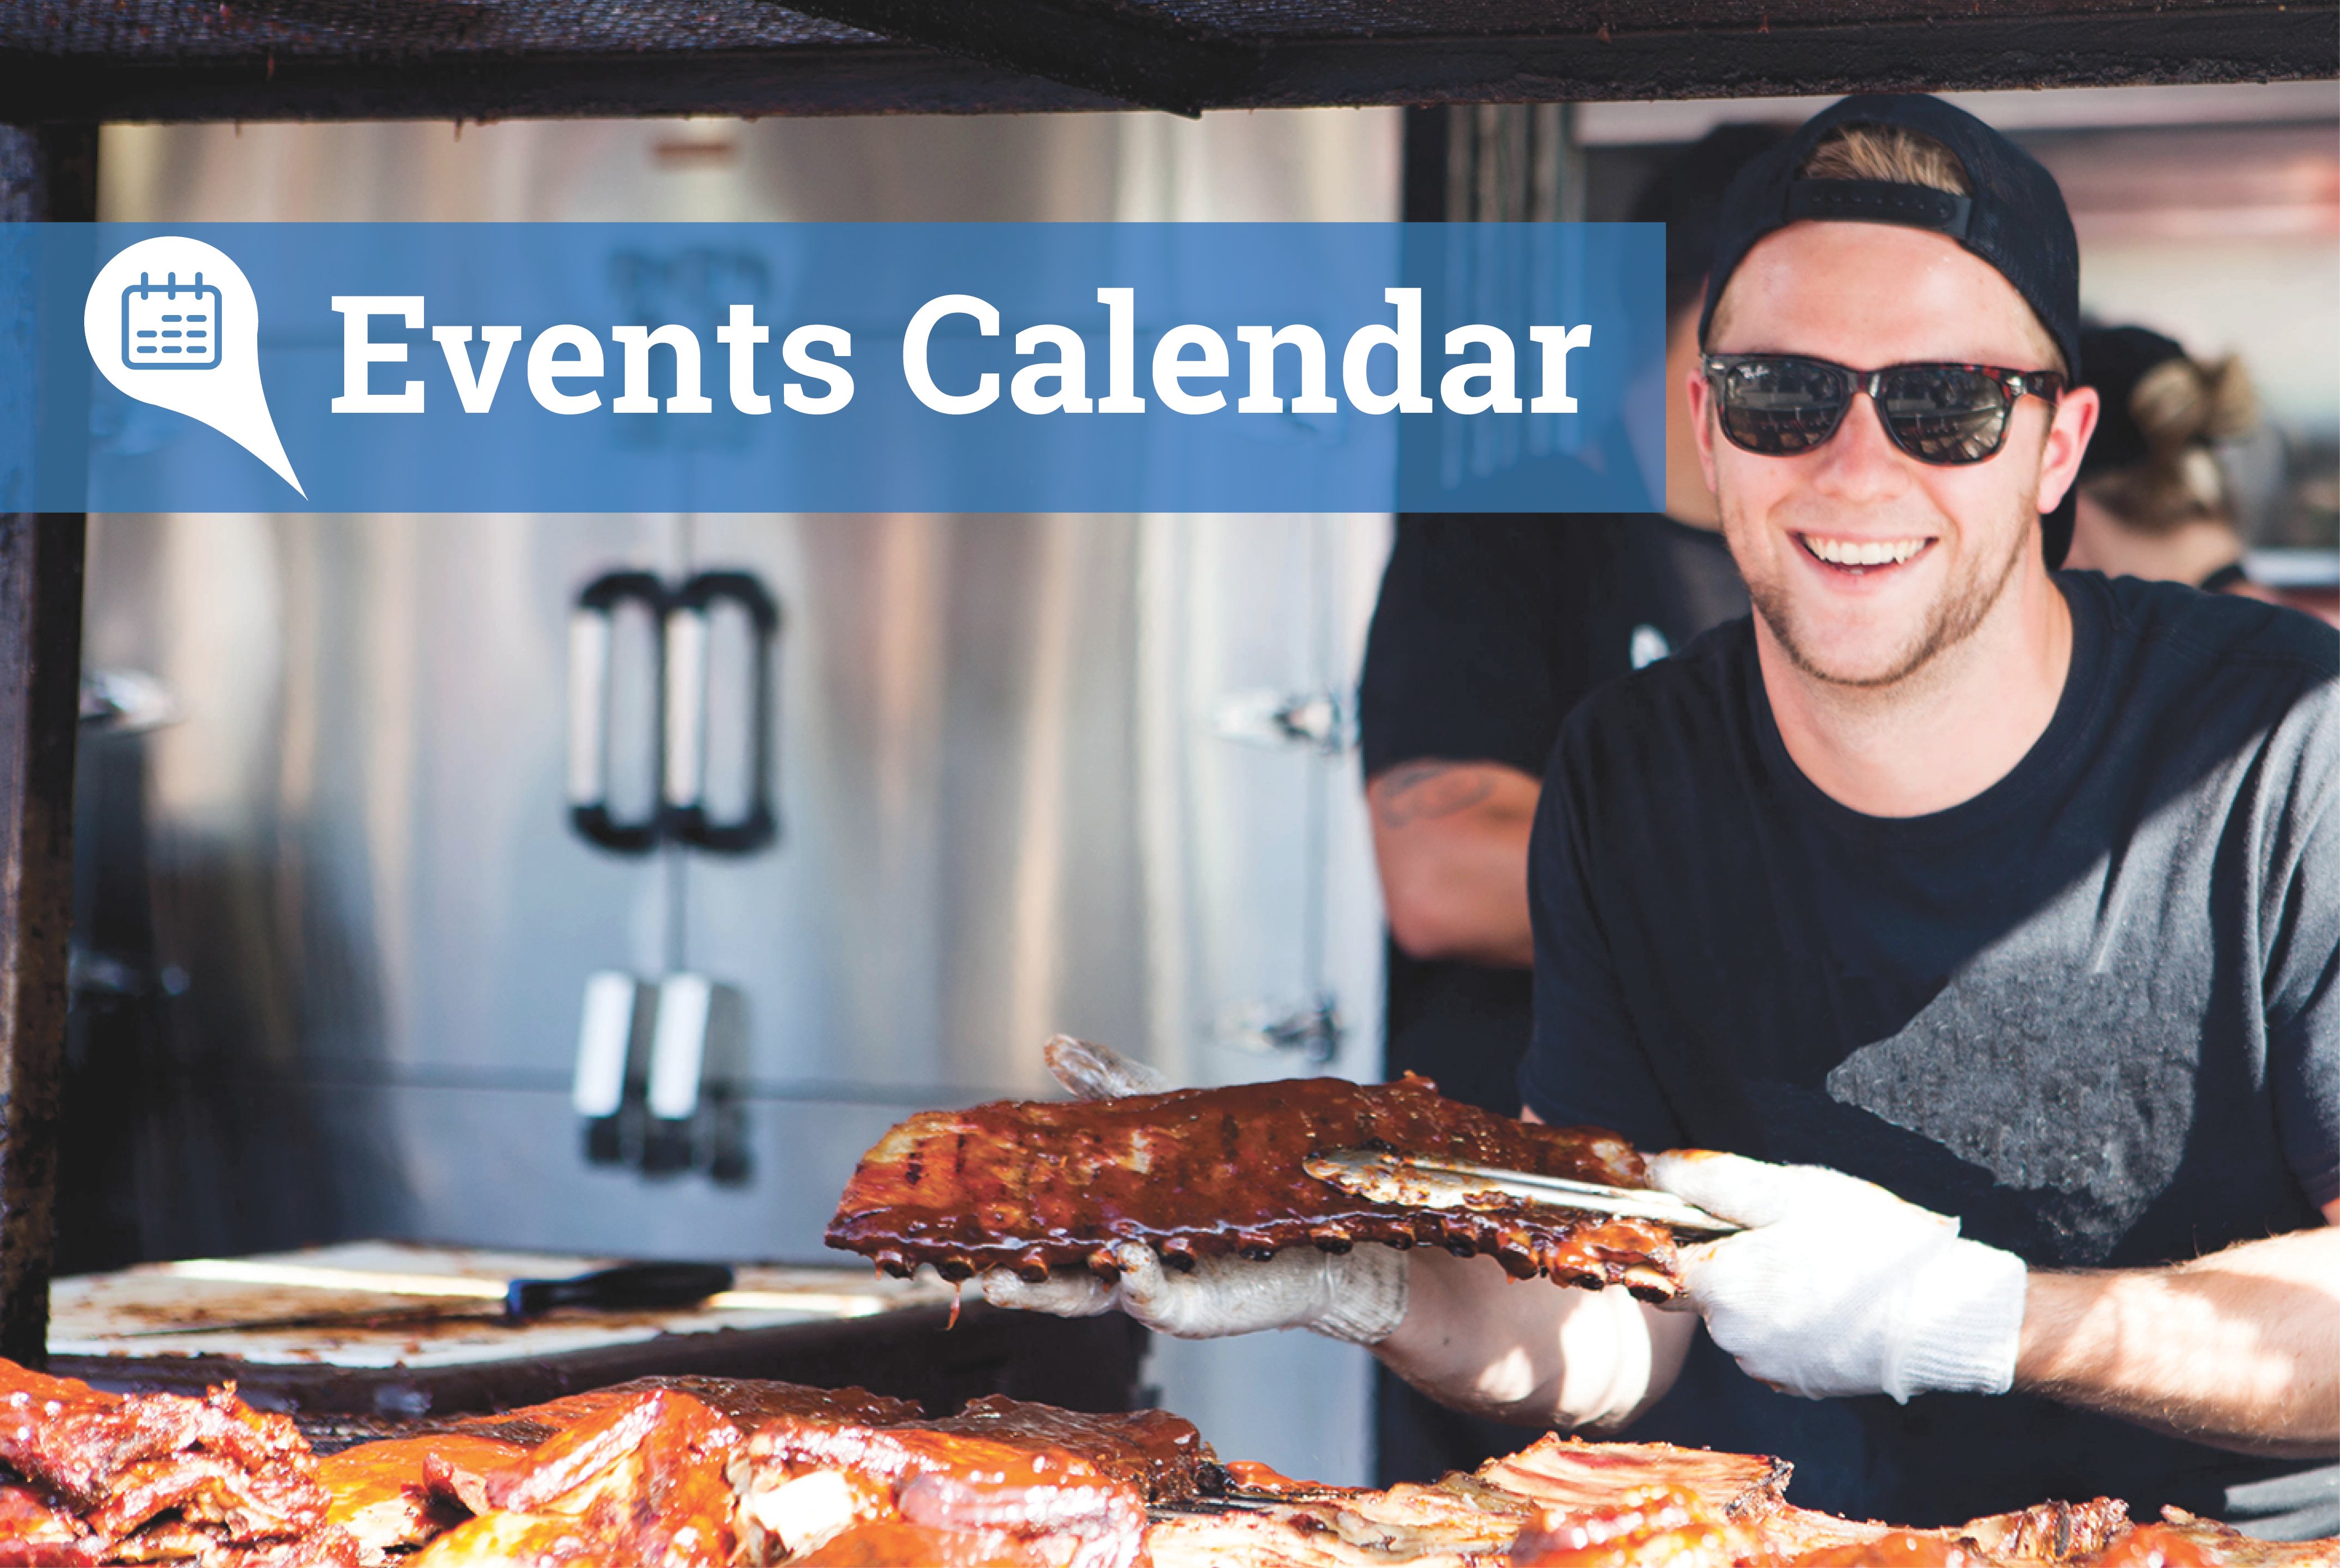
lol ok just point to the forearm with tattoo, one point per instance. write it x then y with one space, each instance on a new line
1413 792
1450 838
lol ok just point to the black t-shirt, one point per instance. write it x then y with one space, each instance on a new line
2094 1011
1489 631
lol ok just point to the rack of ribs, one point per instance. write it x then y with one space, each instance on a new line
1014 1480
640 1481
102 1477
712 1473
742 1400
1647 1504
573 1479
693 1472
402 1493
1566 1503
1040 1186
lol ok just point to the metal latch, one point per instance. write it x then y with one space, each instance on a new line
659 1074
1321 721
1314 1033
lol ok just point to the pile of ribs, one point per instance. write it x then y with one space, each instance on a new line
1040 1186
93 1477
712 1473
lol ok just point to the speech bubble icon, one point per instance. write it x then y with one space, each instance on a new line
172 321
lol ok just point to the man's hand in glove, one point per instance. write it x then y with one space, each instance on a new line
1839 1287
1358 1296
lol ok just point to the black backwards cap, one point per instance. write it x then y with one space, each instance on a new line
2016 219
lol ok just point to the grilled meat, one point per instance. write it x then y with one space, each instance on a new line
2168 1544
745 1401
208 1489
1896 1548
155 1478
2156 1546
1300 1525
319 1549
1567 1474
803 1486
2050 1532
1644 1527
78 1439
1562 1504
35 1527
645 1481
639 1481
405 1492
1037 1186
1308 1535
514 1541
1159 1453
705 1473
896 1543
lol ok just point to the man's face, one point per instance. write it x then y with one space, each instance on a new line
1863 562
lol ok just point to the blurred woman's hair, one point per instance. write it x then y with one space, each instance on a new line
2153 462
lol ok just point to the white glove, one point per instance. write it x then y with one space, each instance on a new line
1841 1288
1359 1296
1095 1072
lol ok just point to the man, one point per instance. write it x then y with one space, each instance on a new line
1489 631
2012 893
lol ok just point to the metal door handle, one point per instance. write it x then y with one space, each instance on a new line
592 632
684 773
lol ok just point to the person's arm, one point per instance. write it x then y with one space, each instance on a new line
2240 1349
1459 1329
1475 1339
1469 1336
1450 841
1524 1351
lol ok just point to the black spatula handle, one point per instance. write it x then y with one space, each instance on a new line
629 1287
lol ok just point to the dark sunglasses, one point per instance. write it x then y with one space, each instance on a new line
1780 404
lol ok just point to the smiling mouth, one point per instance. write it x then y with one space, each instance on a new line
1859 557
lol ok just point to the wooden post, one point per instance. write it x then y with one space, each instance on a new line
47 174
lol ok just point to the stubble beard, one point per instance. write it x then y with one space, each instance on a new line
1963 606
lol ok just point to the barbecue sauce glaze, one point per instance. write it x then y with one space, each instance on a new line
1039 1185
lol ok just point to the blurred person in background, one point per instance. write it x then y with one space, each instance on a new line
1489 631
2155 499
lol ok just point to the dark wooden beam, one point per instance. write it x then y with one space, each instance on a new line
1003 63
1973 53
876 79
45 175
1145 58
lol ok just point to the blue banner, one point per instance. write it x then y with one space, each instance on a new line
715 367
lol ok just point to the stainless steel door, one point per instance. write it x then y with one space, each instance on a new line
1020 786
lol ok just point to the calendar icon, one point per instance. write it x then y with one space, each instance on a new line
170 326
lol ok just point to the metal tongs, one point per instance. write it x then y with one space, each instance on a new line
1095 1072
1411 1182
